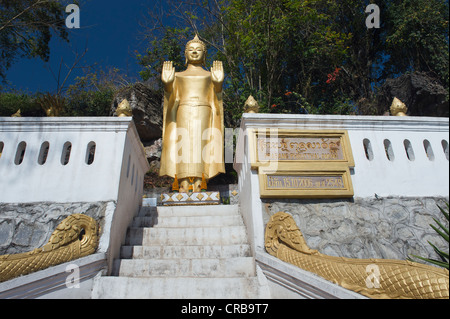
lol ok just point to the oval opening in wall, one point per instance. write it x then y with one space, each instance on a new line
43 153
65 156
428 150
445 148
388 149
409 150
1 148
20 153
90 153
368 149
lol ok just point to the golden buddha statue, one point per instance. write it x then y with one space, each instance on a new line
192 150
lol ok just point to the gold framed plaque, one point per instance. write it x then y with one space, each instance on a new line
306 146
302 163
312 182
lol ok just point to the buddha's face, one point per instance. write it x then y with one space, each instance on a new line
195 53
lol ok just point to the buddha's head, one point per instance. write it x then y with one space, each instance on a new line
195 52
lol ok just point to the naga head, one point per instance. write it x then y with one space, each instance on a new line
75 228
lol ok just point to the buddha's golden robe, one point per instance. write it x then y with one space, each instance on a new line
192 128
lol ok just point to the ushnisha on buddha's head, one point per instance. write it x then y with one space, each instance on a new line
195 52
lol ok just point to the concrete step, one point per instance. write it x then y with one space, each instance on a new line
228 235
178 288
172 252
178 211
188 221
218 267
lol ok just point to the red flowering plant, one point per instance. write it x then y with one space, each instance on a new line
333 76
290 102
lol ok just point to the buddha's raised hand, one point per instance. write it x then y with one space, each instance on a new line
217 74
168 73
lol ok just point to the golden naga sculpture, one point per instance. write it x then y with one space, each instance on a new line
374 278
192 120
17 114
75 237
251 105
398 108
124 109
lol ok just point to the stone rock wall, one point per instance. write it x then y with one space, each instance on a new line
24 227
147 108
422 94
392 228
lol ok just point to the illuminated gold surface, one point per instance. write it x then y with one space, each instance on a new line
251 105
124 109
312 181
52 104
299 146
397 279
66 243
17 114
398 108
192 119
302 163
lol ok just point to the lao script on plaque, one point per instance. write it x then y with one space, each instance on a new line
300 148
304 182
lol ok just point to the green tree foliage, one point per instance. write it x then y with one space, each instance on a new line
92 94
167 46
282 46
443 232
418 37
297 56
26 29
11 102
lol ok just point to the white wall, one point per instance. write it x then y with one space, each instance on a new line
116 173
76 181
400 177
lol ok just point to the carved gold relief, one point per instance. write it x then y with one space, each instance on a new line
251 105
302 163
300 146
398 108
124 109
394 278
75 237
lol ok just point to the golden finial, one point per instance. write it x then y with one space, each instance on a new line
398 108
124 109
203 185
17 114
51 104
191 184
251 105
175 186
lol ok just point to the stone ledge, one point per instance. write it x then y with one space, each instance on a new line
288 281
51 282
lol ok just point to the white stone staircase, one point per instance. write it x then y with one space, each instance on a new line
185 252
